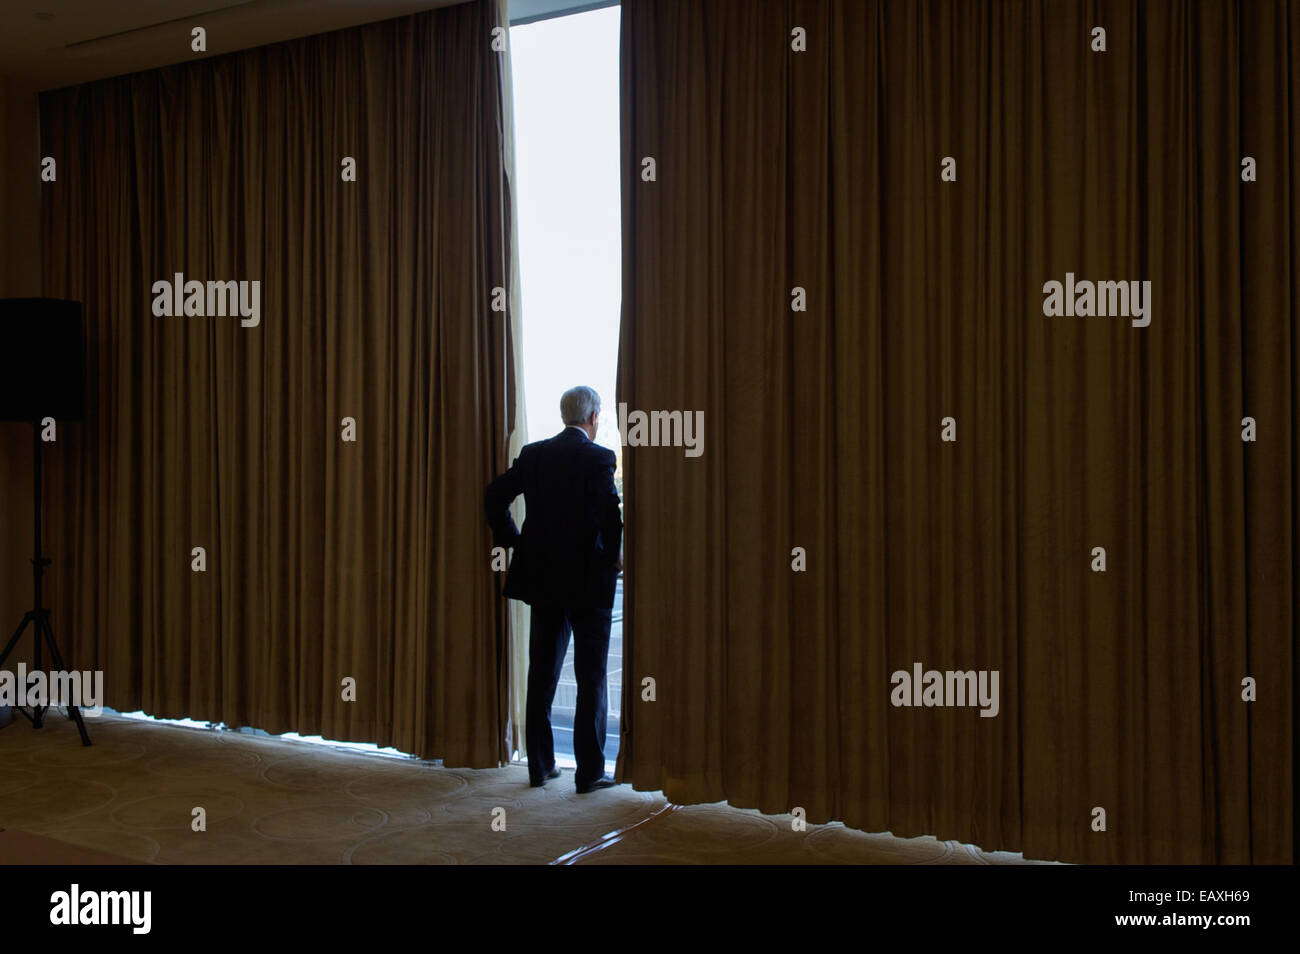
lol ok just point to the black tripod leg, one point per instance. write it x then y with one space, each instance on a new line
43 625
13 640
9 647
38 712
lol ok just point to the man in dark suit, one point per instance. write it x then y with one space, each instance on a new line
565 566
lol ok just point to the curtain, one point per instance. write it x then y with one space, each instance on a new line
344 585
517 613
1090 524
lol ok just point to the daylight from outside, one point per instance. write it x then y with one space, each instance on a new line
567 168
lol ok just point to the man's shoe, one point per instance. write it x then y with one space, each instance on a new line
606 782
553 773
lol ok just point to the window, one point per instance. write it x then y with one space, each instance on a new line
566 110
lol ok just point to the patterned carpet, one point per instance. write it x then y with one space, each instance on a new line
272 801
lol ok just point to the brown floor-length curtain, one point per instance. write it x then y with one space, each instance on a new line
822 169
326 560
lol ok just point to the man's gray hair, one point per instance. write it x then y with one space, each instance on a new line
578 404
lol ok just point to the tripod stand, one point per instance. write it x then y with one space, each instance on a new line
38 616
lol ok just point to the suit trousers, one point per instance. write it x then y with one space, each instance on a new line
548 641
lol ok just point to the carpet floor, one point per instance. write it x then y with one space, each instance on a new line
131 797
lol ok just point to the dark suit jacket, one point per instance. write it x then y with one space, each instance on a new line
568 550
